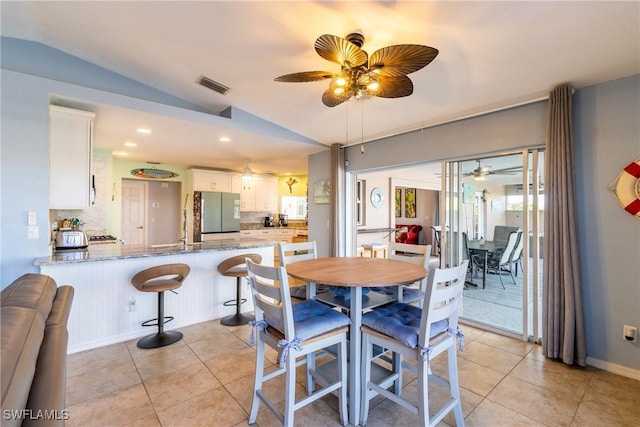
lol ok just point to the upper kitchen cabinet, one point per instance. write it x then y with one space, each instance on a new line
260 194
205 180
266 193
70 152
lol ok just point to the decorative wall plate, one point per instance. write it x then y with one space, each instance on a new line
377 198
626 188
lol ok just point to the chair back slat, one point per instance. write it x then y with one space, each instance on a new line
415 254
294 252
271 295
442 298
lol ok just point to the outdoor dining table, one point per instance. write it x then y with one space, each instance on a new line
484 247
355 273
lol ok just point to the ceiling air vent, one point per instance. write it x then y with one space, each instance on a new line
212 84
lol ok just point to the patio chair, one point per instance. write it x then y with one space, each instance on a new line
499 261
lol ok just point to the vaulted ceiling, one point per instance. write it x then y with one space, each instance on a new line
492 54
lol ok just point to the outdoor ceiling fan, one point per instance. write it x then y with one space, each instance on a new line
383 74
481 172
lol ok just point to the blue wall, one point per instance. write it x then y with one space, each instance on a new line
607 138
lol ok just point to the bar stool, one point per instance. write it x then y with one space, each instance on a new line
166 277
374 248
236 267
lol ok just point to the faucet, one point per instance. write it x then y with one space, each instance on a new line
185 229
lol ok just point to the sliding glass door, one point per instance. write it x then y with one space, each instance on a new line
492 211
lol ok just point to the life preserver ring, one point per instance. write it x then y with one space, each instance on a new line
626 188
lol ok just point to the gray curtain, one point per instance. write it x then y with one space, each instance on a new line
563 318
336 200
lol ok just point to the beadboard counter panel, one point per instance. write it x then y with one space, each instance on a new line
101 312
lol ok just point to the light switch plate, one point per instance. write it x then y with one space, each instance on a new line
32 219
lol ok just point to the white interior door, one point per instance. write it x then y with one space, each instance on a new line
134 194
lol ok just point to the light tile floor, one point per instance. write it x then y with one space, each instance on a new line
207 380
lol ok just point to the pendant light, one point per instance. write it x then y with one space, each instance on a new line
247 174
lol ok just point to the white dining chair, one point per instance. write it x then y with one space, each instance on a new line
415 254
294 252
295 331
420 335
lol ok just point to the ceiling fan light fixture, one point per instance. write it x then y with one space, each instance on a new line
341 81
373 86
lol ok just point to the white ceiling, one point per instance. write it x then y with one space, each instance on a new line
492 54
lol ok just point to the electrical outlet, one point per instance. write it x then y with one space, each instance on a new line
132 304
630 333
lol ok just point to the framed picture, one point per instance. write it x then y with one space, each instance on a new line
398 203
410 202
321 191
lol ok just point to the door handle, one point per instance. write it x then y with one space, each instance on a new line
140 227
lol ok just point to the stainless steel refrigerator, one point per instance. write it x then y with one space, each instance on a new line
219 212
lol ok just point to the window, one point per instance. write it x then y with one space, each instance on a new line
515 202
294 207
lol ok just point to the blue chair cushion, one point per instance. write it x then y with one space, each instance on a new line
300 292
311 319
409 295
345 293
401 321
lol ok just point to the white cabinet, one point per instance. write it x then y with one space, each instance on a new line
284 234
266 234
204 180
261 195
70 151
220 236
248 195
249 234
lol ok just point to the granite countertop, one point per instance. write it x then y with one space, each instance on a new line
259 226
115 251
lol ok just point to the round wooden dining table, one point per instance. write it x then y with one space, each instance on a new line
355 273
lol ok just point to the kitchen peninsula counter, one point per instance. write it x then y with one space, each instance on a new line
107 309
102 252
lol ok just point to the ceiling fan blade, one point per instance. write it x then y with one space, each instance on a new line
341 51
330 100
305 76
402 59
394 87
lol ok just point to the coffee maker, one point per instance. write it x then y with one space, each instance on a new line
283 220
268 221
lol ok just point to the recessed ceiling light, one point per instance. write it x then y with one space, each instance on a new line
120 153
130 144
143 130
225 139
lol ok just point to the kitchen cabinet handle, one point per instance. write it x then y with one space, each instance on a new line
140 227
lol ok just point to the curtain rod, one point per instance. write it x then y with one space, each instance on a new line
457 119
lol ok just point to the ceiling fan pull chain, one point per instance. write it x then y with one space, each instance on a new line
362 127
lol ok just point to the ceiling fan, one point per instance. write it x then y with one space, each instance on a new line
481 172
383 74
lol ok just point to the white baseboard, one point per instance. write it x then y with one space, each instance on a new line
614 368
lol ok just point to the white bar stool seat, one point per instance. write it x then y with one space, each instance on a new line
374 248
